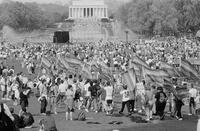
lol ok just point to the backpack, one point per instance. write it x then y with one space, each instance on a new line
81 116
6 124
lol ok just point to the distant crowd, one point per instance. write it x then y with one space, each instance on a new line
81 94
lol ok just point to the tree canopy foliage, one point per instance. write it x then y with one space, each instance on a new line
161 17
31 16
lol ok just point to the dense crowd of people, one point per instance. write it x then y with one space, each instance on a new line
54 85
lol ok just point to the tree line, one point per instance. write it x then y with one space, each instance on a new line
31 16
161 17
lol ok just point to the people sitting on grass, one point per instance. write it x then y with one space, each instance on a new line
47 123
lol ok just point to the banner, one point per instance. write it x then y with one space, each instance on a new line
129 79
139 61
187 66
46 62
169 69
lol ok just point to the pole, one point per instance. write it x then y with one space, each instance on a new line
126 36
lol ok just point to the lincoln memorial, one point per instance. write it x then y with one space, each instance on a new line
87 19
88 9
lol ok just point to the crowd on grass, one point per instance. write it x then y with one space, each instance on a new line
82 94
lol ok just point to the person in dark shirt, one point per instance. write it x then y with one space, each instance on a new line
161 99
179 103
24 100
93 90
17 120
2 67
43 102
27 119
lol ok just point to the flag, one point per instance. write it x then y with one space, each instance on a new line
169 87
74 63
129 78
157 76
190 69
46 62
169 69
157 72
86 72
65 64
139 61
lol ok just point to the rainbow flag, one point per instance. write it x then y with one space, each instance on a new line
155 72
129 79
139 61
65 64
187 67
74 63
86 72
169 69
46 62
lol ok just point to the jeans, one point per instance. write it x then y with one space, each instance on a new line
123 106
160 107
131 105
192 104
94 102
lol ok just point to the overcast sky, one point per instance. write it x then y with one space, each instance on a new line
50 1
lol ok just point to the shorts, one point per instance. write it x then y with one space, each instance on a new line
69 104
109 102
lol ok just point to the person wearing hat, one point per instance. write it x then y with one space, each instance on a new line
161 99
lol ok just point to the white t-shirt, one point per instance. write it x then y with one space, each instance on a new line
193 92
125 95
2 84
109 92
87 92
62 87
24 80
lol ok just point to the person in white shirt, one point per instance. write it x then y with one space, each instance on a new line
109 97
61 91
125 99
192 95
87 94
3 87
